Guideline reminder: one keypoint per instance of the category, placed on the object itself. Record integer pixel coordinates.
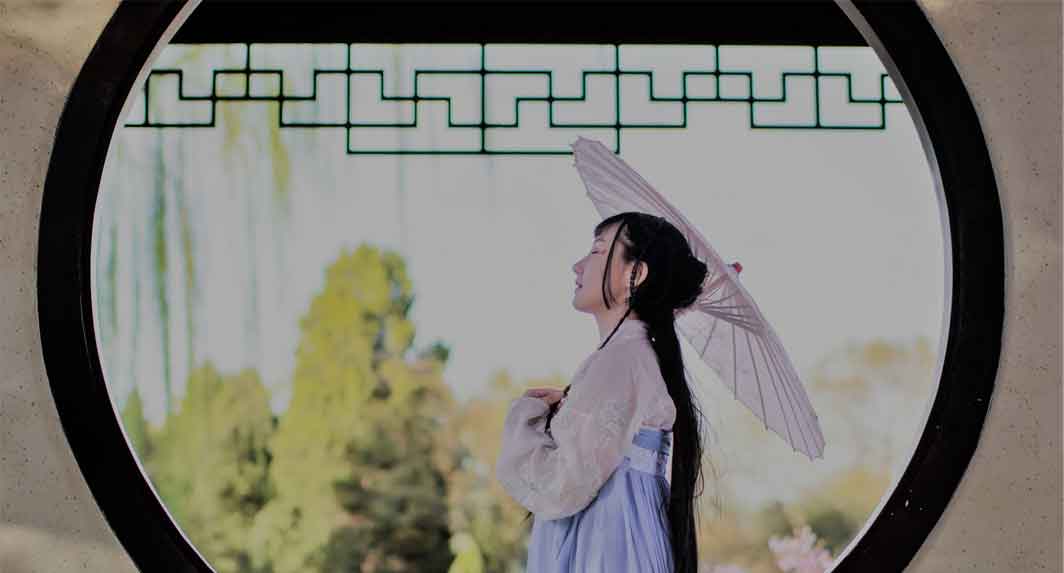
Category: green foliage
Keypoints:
(834, 527)
(136, 426)
(374, 467)
(772, 519)
(838, 507)
(357, 489)
(210, 463)
(438, 351)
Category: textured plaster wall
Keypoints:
(1006, 514)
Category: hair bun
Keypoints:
(688, 286)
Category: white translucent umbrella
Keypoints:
(724, 325)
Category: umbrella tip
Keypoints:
(578, 142)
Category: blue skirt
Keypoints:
(624, 529)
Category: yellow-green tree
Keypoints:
(210, 463)
(357, 489)
(136, 426)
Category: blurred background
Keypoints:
(49, 521)
(332, 318)
(332, 314)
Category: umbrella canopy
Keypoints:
(724, 325)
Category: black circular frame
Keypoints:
(922, 69)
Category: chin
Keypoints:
(578, 304)
(582, 306)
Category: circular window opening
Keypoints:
(324, 255)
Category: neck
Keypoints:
(607, 319)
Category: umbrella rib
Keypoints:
(796, 385)
(792, 394)
(797, 394)
(710, 336)
(720, 312)
(726, 297)
(735, 364)
(712, 305)
(744, 305)
(770, 361)
(714, 285)
(733, 318)
(801, 430)
(757, 378)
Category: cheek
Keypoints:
(596, 276)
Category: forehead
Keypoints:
(607, 233)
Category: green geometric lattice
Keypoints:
(620, 87)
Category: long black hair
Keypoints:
(673, 281)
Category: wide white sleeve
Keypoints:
(557, 476)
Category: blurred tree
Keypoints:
(210, 463)
(837, 508)
(878, 392)
(357, 486)
(478, 504)
(834, 527)
(467, 555)
(772, 519)
(736, 540)
(136, 426)
(438, 351)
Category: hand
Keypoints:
(548, 395)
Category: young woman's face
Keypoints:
(587, 293)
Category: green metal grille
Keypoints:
(708, 82)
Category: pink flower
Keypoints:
(798, 554)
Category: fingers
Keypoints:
(552, 397)
(540, 391)
(548, 394)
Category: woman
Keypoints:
(593, 465)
